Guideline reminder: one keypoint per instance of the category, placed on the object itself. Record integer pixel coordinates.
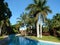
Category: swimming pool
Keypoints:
(19, 40)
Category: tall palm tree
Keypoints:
(39, 7)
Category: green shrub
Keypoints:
(16, 31)
(58, 31)
(45, 29)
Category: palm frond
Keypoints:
(44, 3)
(35, 1)
(47, 9)
(30, 6)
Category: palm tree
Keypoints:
(22, 20)
(25, 20)
(39, 7)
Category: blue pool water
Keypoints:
(19, 40)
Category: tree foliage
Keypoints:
(54, 24)
(5, 15)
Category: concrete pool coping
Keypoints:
(57, 43)
(6, 36)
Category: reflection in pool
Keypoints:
(19, 40)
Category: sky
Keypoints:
(17, 7)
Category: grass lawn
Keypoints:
(1, 37)
(46, 38)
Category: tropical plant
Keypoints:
(5, 14)
(22, 19)
(39, 7)
(56, 20)
(56, 23)
(26, 20)
(53, 24)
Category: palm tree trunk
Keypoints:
(40, 30)
(40, 20)
(37, 30)
(0, 31)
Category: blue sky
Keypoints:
(18, 6)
